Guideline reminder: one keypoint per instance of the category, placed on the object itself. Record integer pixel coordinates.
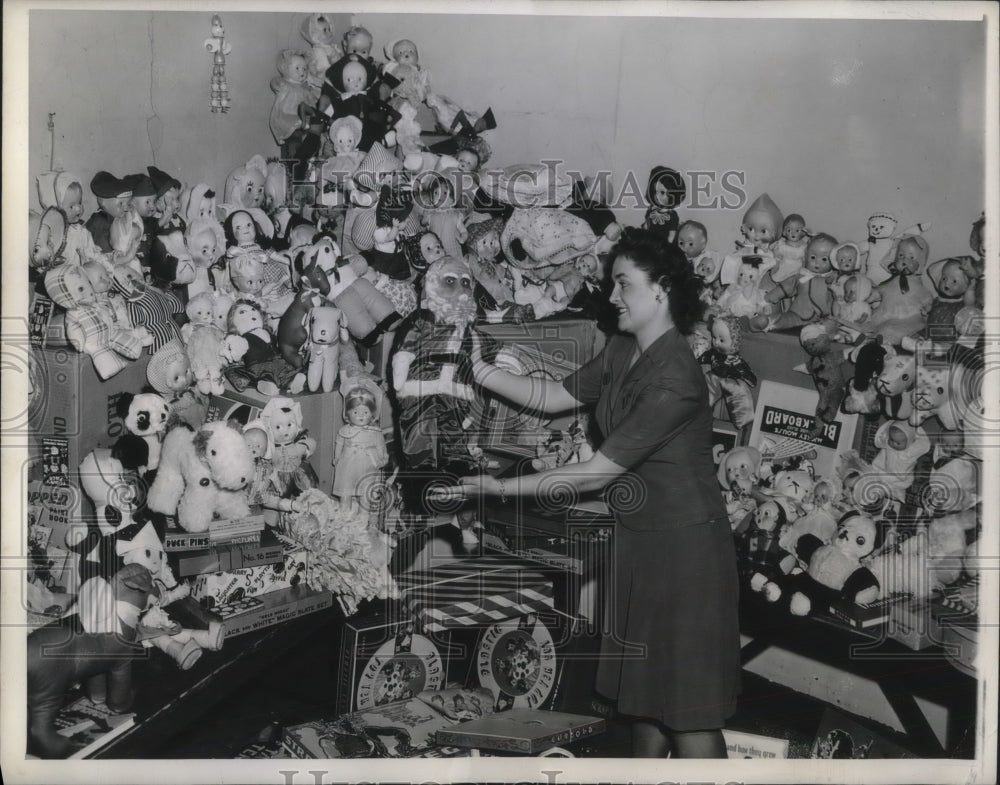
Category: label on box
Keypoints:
(38, 319)
(516, 659)
(402, 668)
(218, 588)
(55, 461)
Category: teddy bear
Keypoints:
(826, 367)
(739, 476)
(90, 328)
(88, 652)
(767, 561)
(834, 570)
(145, 415)
(202, 474)
(327, 331)
(790, 483)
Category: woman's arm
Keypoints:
(542, 395)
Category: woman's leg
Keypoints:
(698, 744)
(650, 739)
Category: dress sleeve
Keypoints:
(585, 382)
(659, 413)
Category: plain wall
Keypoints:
(834, 119)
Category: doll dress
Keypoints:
(359, 458)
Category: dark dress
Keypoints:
(674, 588)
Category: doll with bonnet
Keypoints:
(847, 261)
(851, 305)
(903, 300)
(63, 190)
(198, 201)
(420, 251)
(206, 243)
(403, 63)
(167, 201)
(291, 88)
(319, 31)
(954, 281)
(745, 296)
(341, 160)
(729, 376)
(291, 446)
(262, 490)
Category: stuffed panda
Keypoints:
(834, 570)
(145, 415)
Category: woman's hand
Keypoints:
(470, 487)
(481, 369)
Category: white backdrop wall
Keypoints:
(835, 119)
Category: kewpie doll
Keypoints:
(664, 191)
(291, 88)
(62, 190)
(808, 294)
(167, 202)
(262, 489)
(291, 446)
(206, 242)
(745, 296)
(359, 452)
(760, 229)
(261, 364)
(404, 64)
(789, 252)
(729, 375)
(900, 446)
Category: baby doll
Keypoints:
(169, 373)
(359, 452)
(708, 269)
(692, 239)
(262, 489)
(111, 301)
(291, 88)
(247, 275)
(745, 296)
(62, 190)
(261, 364)
(206, 242)
(167, 201)
(245, 233)
(198, 202)
(847, 261)
(664, 191)
(404, 64)
(291, 446)
(325, 50)
(729, 375)
(902, 300)
(358, 41)
(954, 280)
(808, 294)
(880, 248)
(789, 252)
(760, 229)
(90, 327)
(420, 251)
(900, 447)
(348, 91)
(851, 304)
(114, 197)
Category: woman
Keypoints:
(673, 660)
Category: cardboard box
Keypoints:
(522, 731)
(225, 557)
(475, 592)
(256, 613)
(214, 589)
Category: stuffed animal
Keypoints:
(202, 475)
(739, 477)
(170, 262)
(291, 446)
(145, 415)
(792, 486)
(327, 331)
(728, 374)
(245, 184)
(435, 401)
(826, 367)
(768, 562)
(834, 570)
(945, 390)
(86, 650)
(869, 361)
(90, 328)
(368, 312)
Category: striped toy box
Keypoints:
(475, 592)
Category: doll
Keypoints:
(900, 447)
(62, 190)
(403, 63)
(359, 452)
(880, 248)
(90, 328)
(808, 294)
(977, 243)
(327, 331)
(167, 201)
(291, 88)
(261, 363)
(148, 306)
(198, 202)
(826, 367)
(739, 477)
(114, 197)
(246, 230)
(466, 145)
(245, 184)
(348, 91)
(435, 401)
(729, 375)
(664, 191)
(708, 269)
(760, 229)
(169, 373)
(850, 305)
(492, 276)
(262, 489)
(745, 296)
(247, 276)
(442, 216)
(692, 239)
(206, 242)
(955, 281)
(144, 206)
(847, 261)
(318, 30)
(358, 41)
(393, 208)
(789, 252)
(902, 300)
(420, 251)
(339, 166)
(291, 446)
(768, 562)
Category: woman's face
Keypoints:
(634, 296)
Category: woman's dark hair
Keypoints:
(666, 264)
